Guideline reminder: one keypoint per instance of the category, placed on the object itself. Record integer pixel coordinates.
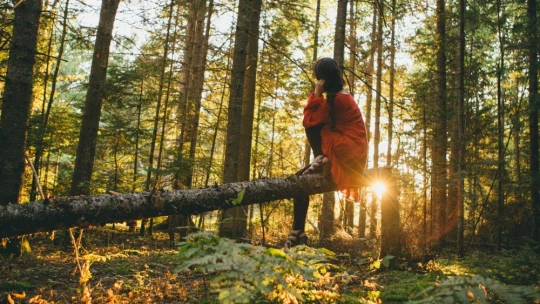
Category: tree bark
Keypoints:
(17, 99)
(339, 38)
(86, 149)
(369, 72)
(534, 102)
(440, 133)
(248, 105)
(378, 90)
(307, 147)
(392, 82)
(461, 131)
(390, 218)
(349, 204)
(81, 211)
(200, 69)
(500, 128)
(234, 221)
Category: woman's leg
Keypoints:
(300, 210)
(301, 203)
(314, 137)
(315, 141)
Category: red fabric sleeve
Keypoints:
(316, 111)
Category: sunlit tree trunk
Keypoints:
(17, 99)
(199, 82)
(339, 38)
(307, 148)
(218, 122)
(46, 106)
(349, 204)
(370, 69)
(378, 88)
(378, 96)
(248, 105)
(183, 111)
(148, 182)
(234, 221)
(86, 149)
(392, 83)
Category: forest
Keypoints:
(149, 152)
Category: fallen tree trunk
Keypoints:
(83, 211)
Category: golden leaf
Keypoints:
(10, 300)
(19, 295)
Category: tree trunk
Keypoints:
(461, 131)
(378, 90)
(390, 219)
(234, 221)
(82, 211)
(307, 147)
(369, 72)
(377, 131)
(148, 182)
(199, 82)
(533, 119)
(440, 136)
(17, 99)
(339, 38)
(248, 105)
(349, 204)
(86, 149)
(391, 88)
(327, 215)
(500, 128)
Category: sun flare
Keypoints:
(379, 189)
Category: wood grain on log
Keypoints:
(83, 211)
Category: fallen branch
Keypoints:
(83, 211)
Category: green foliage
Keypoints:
(518, 267)
(476, 289)
(239, 198)
(244, 272)
(17, 286)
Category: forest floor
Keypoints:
(125, 268)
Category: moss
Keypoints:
(16, 286)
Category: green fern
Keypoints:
(476, 289)
(243, 272)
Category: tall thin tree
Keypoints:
(326, 225)
(234, 220)
(534, 104)
(248, 105)
(86, 148)
(17, 99)
(500, 124)
(440, 133)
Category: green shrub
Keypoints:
(244, 273)
(476, 289)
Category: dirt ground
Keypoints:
(118, 267)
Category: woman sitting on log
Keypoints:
(336, 132)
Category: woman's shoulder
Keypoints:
(344, 95)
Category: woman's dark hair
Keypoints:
(328, 69)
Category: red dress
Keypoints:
(347, 146)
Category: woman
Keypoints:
(336, 132)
